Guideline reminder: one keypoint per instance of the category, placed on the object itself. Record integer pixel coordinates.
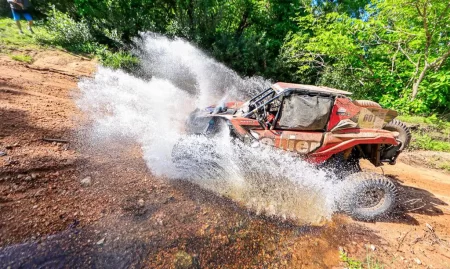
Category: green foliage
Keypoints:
(425, 142)
(245, 34)
(353, 8)
(351, 263)
(414, 119)
(63, 30)
(126, 18)
(395, 54)
(433, 133)
(438, 123)
(75, 36)
(391, 51)
(121, 59)
(22, 58)
(433, 122)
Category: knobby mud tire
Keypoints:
(404, 132)
(363, 185)
(366, 104)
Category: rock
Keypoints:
(372, 247)
(20, 176)
(86, 182)
(12, 146)
(11, 162)
(5, 199)
(183, 260)
(140, 203)
(2, 153)
(28, 178)
(34, 175)
(39, 193)
(169, 199)
(419, 262)
(101, 241)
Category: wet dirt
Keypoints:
(122, 216)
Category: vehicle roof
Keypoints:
(281, 86)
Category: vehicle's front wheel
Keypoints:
(369, 196)
(196, 155)
(404, 132)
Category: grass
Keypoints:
(444, 166)
(425, 142)
(352, 263)
(433, 133)
(439, 162)
(432, 121)
(11, 42)
(22, 58)
(412, 119)
(10, 39)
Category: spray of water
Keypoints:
(191, 70)
(153, 111)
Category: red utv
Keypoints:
(325, 127)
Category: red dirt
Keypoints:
(41, 194)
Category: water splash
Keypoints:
(153, 111)
(191, 70)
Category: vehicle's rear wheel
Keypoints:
(369, 196)
(366, 103)
(404, 132)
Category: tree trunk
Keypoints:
(419, 80)
(243, 24)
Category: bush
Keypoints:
(425, 142)
(65, 31)
(121, 59)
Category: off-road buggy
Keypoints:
(325, 127)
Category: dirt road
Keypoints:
(64, 203)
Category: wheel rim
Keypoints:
(371, 198)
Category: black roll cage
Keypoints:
(257, 105)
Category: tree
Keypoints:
(419, 30)
(389, 55)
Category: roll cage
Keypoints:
(262, 103)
